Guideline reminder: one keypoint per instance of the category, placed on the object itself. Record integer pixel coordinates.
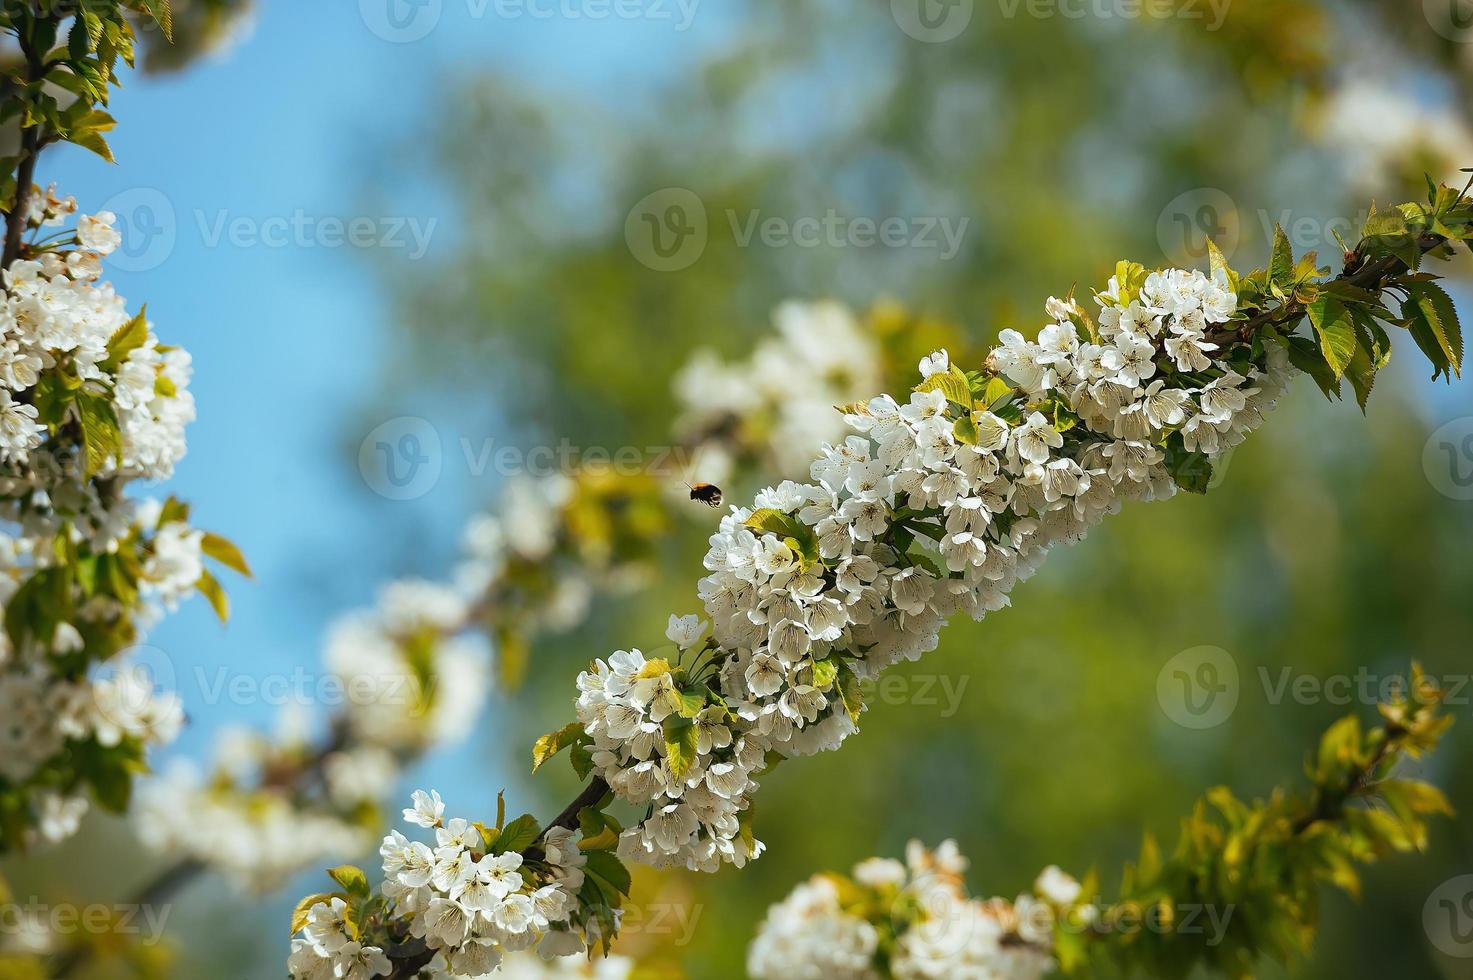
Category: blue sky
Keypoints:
(235, 183)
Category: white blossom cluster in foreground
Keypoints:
(89, 401)
(890, 920)
(931, 507)
(780, 400)
(471, 897)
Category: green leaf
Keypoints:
(825, 673)
(995, 392)
(773, 521)
(304, 908)
(1281, 264)
(1336, 331)
(41, 603)
(849, 691)
(352, 878)
(518, 835)
(552, 743)
(1305, 355)
(224, 551)
(210, 588)
(965, 430)
(1437, 318)
(101, 437)
(163, 15)
(1190, 471)
(680, 746)
(125, 340)
(952, 383)
(610, 869)
(600, 831)
(690, 701)
(581, 756)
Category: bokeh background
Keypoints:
(502, 150)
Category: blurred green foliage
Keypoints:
(1065, 142)
(1325, 550)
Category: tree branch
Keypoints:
(32, 142)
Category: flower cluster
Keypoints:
(936, 506)
(89, 401)
(476, 895)
(780, 400)
(910, 921)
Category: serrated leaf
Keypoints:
(1336, 331)
(1432, 305)
(102, 439)
(772, 521)
(352, 878)
(610, 869)
(552, 743)
(1362, 375)
(952, 383)
(125, 340)
(305, 906)
(163, 15)
(518, 835)
(1281, 263)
